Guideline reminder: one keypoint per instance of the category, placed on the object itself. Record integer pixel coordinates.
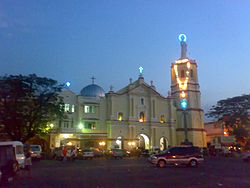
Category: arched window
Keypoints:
(162, 120)
(142, 101)
(120, 116)
(141, 117)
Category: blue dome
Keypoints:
(92, 90)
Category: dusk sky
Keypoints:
(75, 40)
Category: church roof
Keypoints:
(93, 90)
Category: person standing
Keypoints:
(64, 150)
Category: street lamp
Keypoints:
(102, 143)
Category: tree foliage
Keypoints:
(235, 114)
(28, 104)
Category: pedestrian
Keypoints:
(28, 161)
(74, 153)
(64, 150)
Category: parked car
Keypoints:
(87, 154)
(190, 156)
(246, 157)
(36, 151)
(98, 152)
(147, 152)
(18, 151)
(8, 163)
(117, 153)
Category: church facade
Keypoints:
(136, 116)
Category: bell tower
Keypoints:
(186, 91)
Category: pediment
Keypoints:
(140, 90)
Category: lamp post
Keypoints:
(185, 125)
(184, 105)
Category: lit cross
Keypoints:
(67, 84)
(141, 70)
(93, 79)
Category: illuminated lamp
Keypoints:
(69, 144)
(118, 142)
(183, 94)
(80, 126)
(120, 118)
(102, 143)
(65, 135)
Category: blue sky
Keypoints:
(75, 40)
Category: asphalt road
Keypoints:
(134, 173)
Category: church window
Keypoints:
(73, 108)
(90, 125)
(141, 117)
(66, 107)
(182, 74)
(66, 124)
(89, 109)
(162, 120)
(142, 101)
(120, 116)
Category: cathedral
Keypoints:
(136, 116)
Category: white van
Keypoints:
(36, 151)
(18, 147)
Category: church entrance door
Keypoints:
(143, 141)
(163, 143)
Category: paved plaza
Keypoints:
(134, 173)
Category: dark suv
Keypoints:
(8, 163)
(190, 156)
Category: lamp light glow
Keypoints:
(118, 142)
(80, 126)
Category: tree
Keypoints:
(28, 104)
(234, 113)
